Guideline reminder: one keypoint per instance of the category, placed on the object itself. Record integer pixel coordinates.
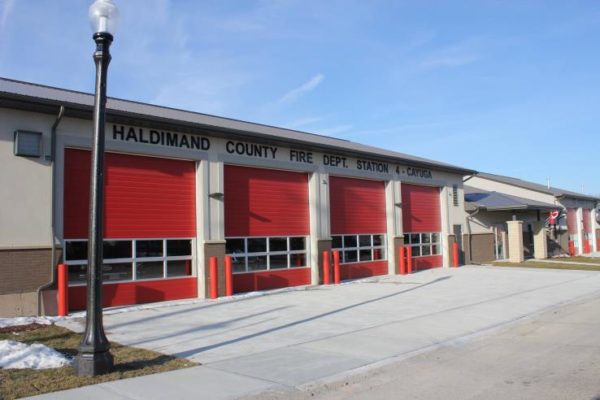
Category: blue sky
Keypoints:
(508, 87)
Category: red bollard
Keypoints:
(571, 248)
(326, 267)
(402, 255)
(63, 290)
(455, 255)
(336, 267)
(586, 247)
(214, 279)
(228, 276)
(409, 260)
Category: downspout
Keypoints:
(50, 283)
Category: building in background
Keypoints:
(568, 219)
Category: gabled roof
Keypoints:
(495, 201)
(34, 97)
(556, 192)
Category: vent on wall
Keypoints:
(455, 195)
(28, 144)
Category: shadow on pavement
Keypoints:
(305, 320)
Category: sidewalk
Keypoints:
(297, 338)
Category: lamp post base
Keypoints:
(91, 364)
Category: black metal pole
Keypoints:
(94, 355)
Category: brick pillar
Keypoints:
(540, 241)
(515, 241)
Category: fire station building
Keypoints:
(181, 187)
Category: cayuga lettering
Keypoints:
(419, 172)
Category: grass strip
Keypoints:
(129, 362)
(543, 265)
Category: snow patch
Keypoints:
(5, 322)
(37, 356)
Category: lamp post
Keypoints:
(94, 355)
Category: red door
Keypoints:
(267, 227)
(358, 225)
(572, 228)
(587, 231)
(149, 225)
(422, 224)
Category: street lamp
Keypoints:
(94, 355)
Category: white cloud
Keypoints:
(303, 89)
(300, 122)
(462, 53)
(6, 7)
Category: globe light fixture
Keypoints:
(94, 357)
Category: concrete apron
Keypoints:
(297, 338)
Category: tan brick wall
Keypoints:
(515, 241)
(217, 249)
(23, 271)
(398, 242)
(479, 248)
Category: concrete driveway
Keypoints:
(298, 337)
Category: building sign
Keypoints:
(162, 138)
(415, 172)
(263, 151)
(250, 149)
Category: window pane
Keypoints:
(235, 246)
(149, 270)
(414, 238)
(426, 251)
(378, 254)
(297, 243)
(278, 244)
(407, 239)
(416, 251)
(350, 241)
(179, 268)
(378, 240)
(117, 249)
(117, 272)
(77, 273)
(279, 261)
(257, 263)
(76, 251)
(238, 263)
(365, 255)
(365, 240)
(435, 237)
(148, 248)
(435, 249)
(257, 245)
(350, 256)
(425, 238)
(298, 260)
(179, 247)
(336, 242)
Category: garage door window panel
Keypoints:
(359, 248)
(423, 244)
(132, 259)
(253, 254)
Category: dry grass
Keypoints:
(129, 362)
(547, 265)
(593, 260)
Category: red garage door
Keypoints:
(267, 227)
(358, 225)
(572, 228)
(587, 230)
(422, 224)
(149, 226)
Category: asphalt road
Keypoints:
(555, 355)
